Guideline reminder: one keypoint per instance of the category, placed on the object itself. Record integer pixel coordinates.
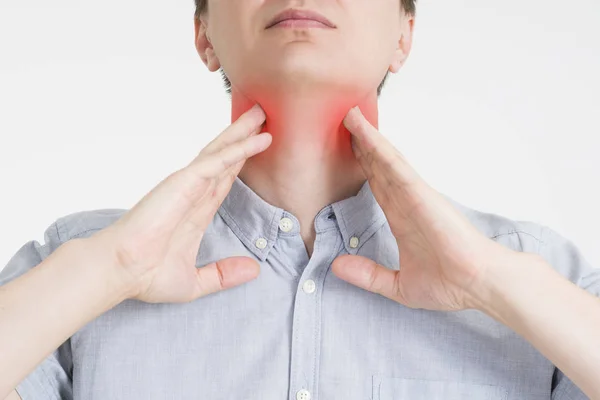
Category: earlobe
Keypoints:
(212, 62)
(395, 66)
(398, 60)
(404, 46)
(204, 46)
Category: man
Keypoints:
(458, 303)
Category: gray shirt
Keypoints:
(298, 331)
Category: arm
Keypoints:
(44, 307)
(449, 264)
(556, 316)
(13, 396)
(134, 257)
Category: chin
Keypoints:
(297, 75)
(304, 74)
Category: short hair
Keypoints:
(409, 7)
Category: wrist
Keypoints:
(94, 260)
(508, 273)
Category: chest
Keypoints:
(299, 332)
(271, 339)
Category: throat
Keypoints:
(309, 241)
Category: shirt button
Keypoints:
(303, 395)
(286, 224)
(261, 243)
(309, 286)
(354, 242)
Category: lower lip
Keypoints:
(300, 23)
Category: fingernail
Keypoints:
(256, 107)
(354, 112)
(349, 113)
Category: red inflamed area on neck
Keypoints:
(333, 113)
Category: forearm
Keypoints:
(44, 307)
(557, 317)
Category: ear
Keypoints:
(404, 43)
(204, 46)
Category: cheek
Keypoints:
(229, 26)
(373, 29)
(383, 43)
(229, 44)
(370, 45)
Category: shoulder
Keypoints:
(85, 223)
(76, 225)
(521, 235)
(534, 237)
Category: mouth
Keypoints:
(294, 18)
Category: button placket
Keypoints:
(306, 334)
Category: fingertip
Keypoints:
(356, 112)
(335, 265)
(256, 106)
(341, 265)
(266, 140)
(247, 269)
(350, 113)
(352, 119)
(258, 110)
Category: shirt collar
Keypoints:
(257, 223)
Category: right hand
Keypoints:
(154, 245)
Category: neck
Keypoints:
(310, 162)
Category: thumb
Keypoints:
(360, 128)
(226, 273)
(367, 274)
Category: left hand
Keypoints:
(443, 257)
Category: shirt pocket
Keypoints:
(392, 388)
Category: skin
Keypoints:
(294, 75)
(448, 265)
(149, 254)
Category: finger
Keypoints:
(170, 201)
(360, 128)
(368, 139)
(225, 274)
(367, 274)
(226, 181)
(215, 164)
(248, 124)
(378, 152)
(362, 160)
(190, 230)
(188, 234)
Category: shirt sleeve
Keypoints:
(568, 259)
(52, 378)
